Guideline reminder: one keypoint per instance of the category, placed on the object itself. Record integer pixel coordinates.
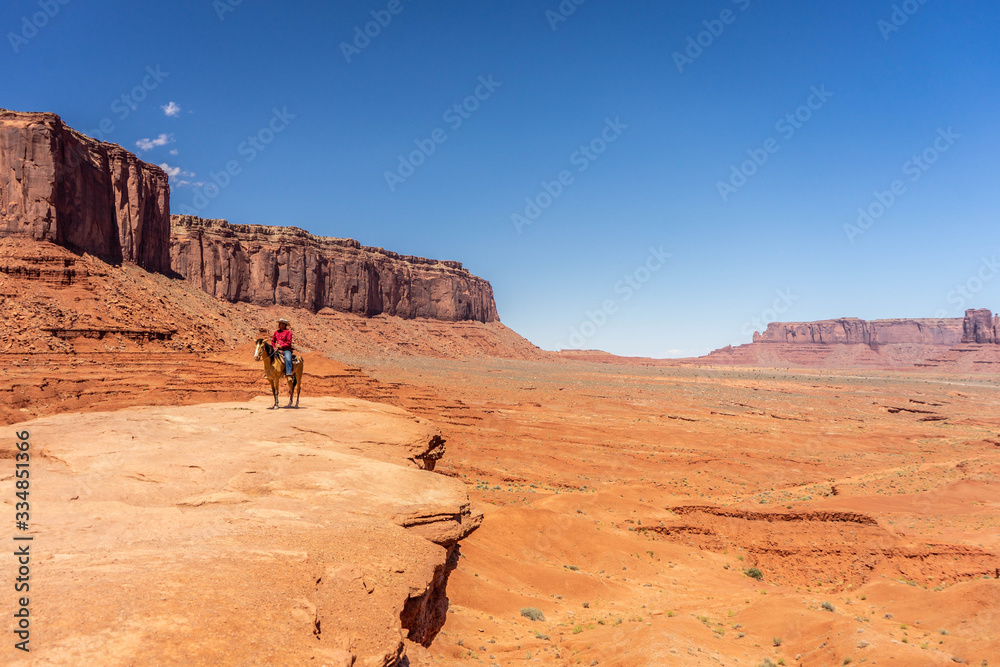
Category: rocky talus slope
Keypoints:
(83, 334)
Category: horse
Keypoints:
(274, 369)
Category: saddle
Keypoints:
(278, 355)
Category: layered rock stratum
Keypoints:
(981, 326)
(229, 534)
(61, 186)
(287, 266)
(965, 344)
(851, 331)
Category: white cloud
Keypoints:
(174, 152)
(174, 172)
(171, 109)
(149, 144)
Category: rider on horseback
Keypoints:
(282, 342)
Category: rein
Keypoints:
(272, 353)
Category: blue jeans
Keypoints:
(288, 362)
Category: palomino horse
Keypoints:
(274, 369)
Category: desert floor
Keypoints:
(630, 504)
(627, 505)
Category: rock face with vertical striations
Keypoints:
(287, 266)
(981, 326)
(61, 186)
(942, 343)
(851, 330)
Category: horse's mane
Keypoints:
(267, 348)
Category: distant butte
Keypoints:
(958, 344)
(851, 330)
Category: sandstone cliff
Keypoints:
(61, 186)
(289, 267)
(945, 343)
(981, 326)
(851, 330)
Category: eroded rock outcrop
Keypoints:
(932, 343)
(61, 186)
(851, 330)
(233, 534)
(287, 266)
(981, 326)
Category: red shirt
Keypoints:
(282, 339)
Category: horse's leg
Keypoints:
(298, 386)
(277, 388)
(272, 378)
(267, 376)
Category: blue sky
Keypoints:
(612, 119)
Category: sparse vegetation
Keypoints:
(533, 614)
(754, 573)
(827, 606)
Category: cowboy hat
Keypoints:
(283, 320)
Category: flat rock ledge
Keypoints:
(230, 534)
